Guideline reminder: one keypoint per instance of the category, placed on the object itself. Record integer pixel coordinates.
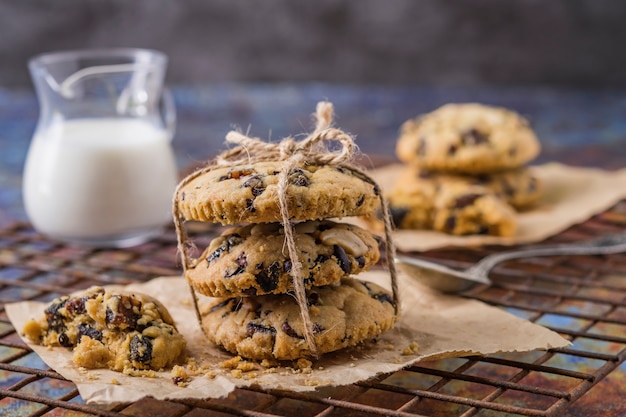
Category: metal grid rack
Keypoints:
(581, 297)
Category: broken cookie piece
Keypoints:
(110, 329)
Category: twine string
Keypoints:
(311, 150)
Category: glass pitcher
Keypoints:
(100, 169)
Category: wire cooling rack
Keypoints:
(581, 297)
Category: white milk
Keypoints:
(99, 179)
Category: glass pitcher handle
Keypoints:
(168, 111)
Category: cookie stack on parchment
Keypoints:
(466, 171)
(248, 268)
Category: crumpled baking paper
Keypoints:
(431, 325)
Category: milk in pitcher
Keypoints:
(100, 179)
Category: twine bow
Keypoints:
(311, 150)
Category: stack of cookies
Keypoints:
(466, 171)
(248, 267)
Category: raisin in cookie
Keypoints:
(253, 259)
(467, 138)
(249, 194)
(116, 330)
(270, 327)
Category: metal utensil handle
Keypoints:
(604, 245)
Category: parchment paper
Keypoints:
(571, 195)
(435, 325)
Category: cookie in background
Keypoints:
(466, 171)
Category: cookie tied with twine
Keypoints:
(283, 195)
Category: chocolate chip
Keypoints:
(342, 258)
(383, 297)
(321, 258)
(227, 244)
(252, 328)
(289, 331)
(360, 201)
(220, 305)
(452, 149)
(287, 265)
(483, 230)
(299, 178)
(317, 328)
(256, 185)
(532, 185)
(242, 264)
(125, 314)
(250, 205)
(64, 340)
(450, 224)
(313, 298)
(474, 137)
(268, 279)
(76, 305)
(53, 316)
(141, 349)
(234, 240)
(398, 214)
(229, 273)
(86, 330)
(324, 226)
(466, 200)
(179, 380)
(360, 260)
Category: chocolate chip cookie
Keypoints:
(249, 194)
(472, 210)
(517, 187)
(116, 330)
(454, 204)
(270, 327)
(253, 259)
(467, 138)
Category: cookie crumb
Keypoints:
(139, 372)
(115, 381)
(237, 373)
(266, 363)
(231, 363)
(180, 376)
(390, 346)
(411, 349)
(311, 382)
(304, 364)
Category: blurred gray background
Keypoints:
(421, 42)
